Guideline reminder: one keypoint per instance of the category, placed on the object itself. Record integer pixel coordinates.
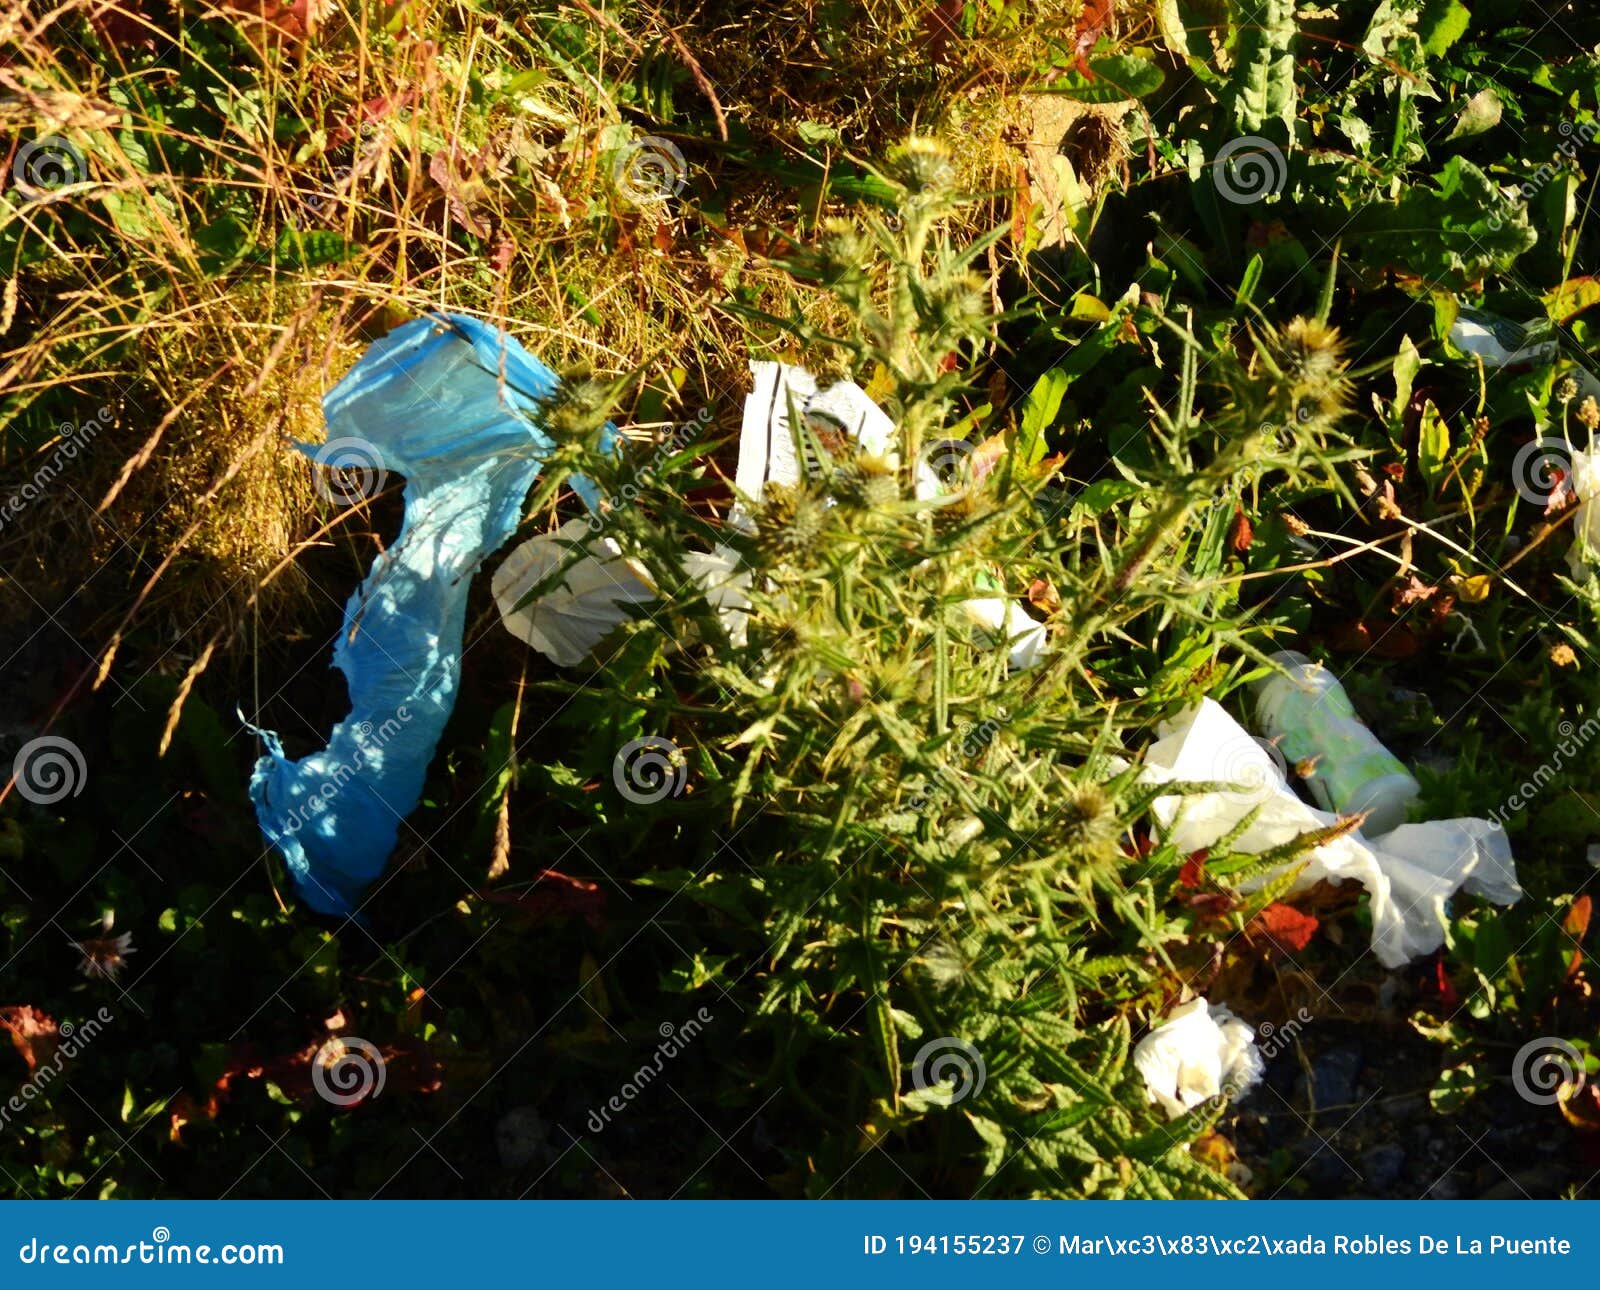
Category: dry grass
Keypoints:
(435, 156)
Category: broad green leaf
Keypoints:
(1039, 414)
(1103, 494)
(1262, 88)
(1433, 446)
(1117, 77)
(1443, 22)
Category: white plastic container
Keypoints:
(1306, 712)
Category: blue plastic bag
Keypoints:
(449, 403)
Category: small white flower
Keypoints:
(104, 957)
(1199, 1051)
(568, 620)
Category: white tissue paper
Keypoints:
(569, 620)
(1586, 521)
(1199, 1051)
(1410, 872)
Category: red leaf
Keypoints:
(33, 1033)
(1285, 926)
(1447, 988)
(1576, 925)
(1194, 869)
(1093, 19)
(1243, 532)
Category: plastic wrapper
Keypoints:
(1410, 872)
(449, 403)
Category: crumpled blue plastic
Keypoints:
(449, 403)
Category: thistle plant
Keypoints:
(904, 846)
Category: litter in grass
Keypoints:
(1410, 871)
(1501, 342)
(771, 453)
(1304, 710)
(568, 620)
(1200, 1051)
(1585, 483)
(449, 403)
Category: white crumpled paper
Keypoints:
(768, 454)
(767, 448)
(1199, 1051)
(593, 599)
(1410, 872)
